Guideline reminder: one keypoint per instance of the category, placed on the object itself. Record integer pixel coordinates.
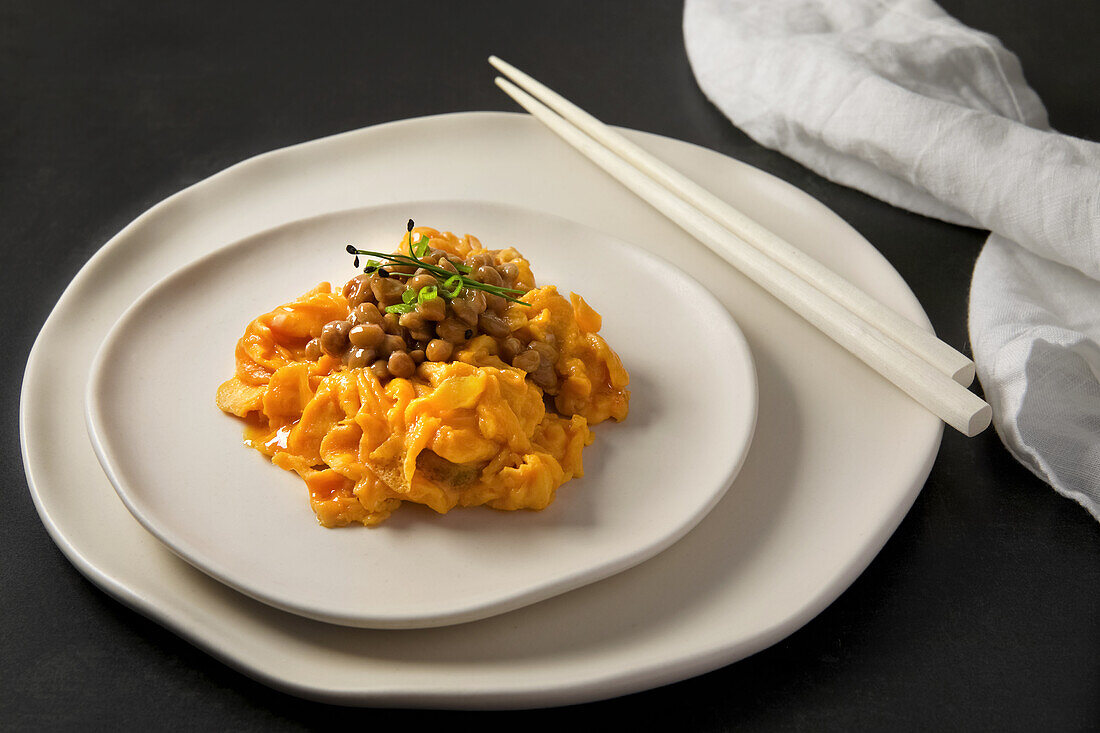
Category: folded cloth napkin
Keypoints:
(900, 100)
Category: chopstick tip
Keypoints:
(964, 375)
(979, 421)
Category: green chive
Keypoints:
(408, 296)
(400, 308)
(427, 293)
(454, 281)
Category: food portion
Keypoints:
(441, 375)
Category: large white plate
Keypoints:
(178, 463)
(838, 455)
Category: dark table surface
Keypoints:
(980, 613)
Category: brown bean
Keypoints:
(453, 330)
(359, 358)
(423, 335)
(392, 344)
(493, 325)
(469, 306)
(528, 361)
(406, 269)
(366, 313)
(478, 260)
(463, 312)
(334, 337)
(411, 320)
(548, 353)
(489, 275)
(391, 323)
(495, 303)
(417, 355)
(380, 370)
(510, 348)
(447, 265)
(313, 349)
(432, 310)
(544, 377)
(350, 284)
(401, 364)
(508, 272)
(387, 290)
(422, 281)
(367, 335)
(358, 290)
(439, 350)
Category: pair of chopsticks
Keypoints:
(927, 369)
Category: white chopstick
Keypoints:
(925, 383)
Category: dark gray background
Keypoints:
(980, 613)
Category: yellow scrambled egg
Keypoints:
(466, 432)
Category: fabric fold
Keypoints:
(901, 101)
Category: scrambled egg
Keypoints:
(470, 431)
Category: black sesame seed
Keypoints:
(351, 249)
(356, 262)
(410, 227)
(469, 333)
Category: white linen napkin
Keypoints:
(900, 100)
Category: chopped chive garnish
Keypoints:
(421, 246)
(454, 281)
(400, 308)
(408, 297)
(427, 293)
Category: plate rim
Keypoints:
(476, 608)
(592, 687)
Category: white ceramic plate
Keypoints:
(178, 463)
(838, 455)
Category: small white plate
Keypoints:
(179, 465)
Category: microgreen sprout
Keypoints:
(453, 284)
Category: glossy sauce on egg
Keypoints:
(498, 415)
